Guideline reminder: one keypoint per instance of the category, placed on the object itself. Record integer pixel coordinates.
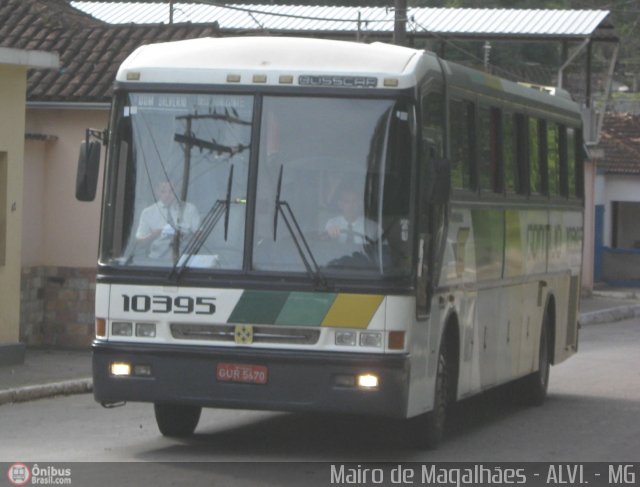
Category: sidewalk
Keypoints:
(46, 373)
(51, 372)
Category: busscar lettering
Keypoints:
(142, 303)
(338, 81)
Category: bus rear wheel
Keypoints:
(177, 420)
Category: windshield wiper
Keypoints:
(207, 225)
(310, 264)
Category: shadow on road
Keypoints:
(322, 437)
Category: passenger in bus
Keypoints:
(350, 226)
(164, 220)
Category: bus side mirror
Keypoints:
(88, 169)
(441, 189)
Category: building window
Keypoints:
(625, 230)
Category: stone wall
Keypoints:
(57, 306)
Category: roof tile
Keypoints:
(90, 50)
(620, 143)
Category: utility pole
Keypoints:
(400, 24)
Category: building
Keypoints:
(13, 81)
(617, 201)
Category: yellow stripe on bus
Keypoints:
(352, 310)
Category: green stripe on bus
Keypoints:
(305, 309)
(259, 307)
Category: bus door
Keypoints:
(431, 209)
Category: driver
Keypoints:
(160, 222)
(350, 226)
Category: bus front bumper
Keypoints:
(283, 380)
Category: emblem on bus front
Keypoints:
(244, 334)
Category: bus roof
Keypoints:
(509, 92)
(243, 60)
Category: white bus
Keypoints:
(316, 225)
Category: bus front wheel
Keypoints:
(428, 429)
(536, 385)
(177, 420)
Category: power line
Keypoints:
(294, 16)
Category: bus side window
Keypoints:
(562, 159)
(490, 163)
(432, 125)
(430, 219)
(535, 169)
(510, 156)
(462, 142)
(580, 155)
(553, 159)
(522, 154)
(574, 169)
(543, 148)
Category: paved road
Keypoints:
(591, 415)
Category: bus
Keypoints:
(297, 224)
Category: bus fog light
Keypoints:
(147, 330)
(121, 329)
(346, 338)
(120, 369)
(344, 380)
(142, 370)
(369, 339)
(368, 381)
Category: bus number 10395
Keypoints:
(142, 303)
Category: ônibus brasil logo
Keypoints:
(19, 474)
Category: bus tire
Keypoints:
(429, 431)
(535, 385)
(177, 420)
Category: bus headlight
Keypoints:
(147, 330)
(346, 338)
(371, 339)
(122, 329)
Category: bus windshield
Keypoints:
(337, 171)
(331, 192)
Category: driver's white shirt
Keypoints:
(357, 227)
(183, 217)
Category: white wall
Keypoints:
(615, 188)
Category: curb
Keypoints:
(611, 314)
(29, 393)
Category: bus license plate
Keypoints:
(243, 373)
